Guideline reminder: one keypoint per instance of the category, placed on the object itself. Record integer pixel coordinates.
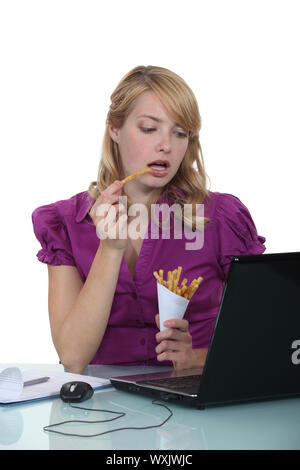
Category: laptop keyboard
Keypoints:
(188, 384)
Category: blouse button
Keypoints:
(143, 341)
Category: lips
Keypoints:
(161, 163)
(159, 167)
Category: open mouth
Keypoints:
(159, 165)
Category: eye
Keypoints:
(181, 134)
(147, 130)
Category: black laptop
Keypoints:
(254, 352)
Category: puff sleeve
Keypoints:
(51, 232)
(236, 230)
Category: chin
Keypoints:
(159, 184)
(162, 181)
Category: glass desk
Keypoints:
(262, 425)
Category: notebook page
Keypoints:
(52, 387)
(11, 382)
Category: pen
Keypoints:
(36, 381)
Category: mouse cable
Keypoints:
(46, 428)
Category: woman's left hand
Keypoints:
(175, 344)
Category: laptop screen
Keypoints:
(253, 351)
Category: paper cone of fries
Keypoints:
(170, 305)
(173, 298)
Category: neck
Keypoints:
(147, 196)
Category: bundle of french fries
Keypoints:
(184, 290)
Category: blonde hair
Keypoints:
(188, 186)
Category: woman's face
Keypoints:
(147, 136)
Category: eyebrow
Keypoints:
(150, 117)
(155, 119)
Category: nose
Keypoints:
(164, 144)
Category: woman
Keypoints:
(102, 293)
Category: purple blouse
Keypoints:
(68, 237)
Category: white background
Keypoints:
(61, 60)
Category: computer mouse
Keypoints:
(76, 391)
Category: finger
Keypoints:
(116, 186)
(122, 227)
(157, 321)
(107, 209)
(119, 208)
(109, 199)
(182, 341)
(107, 226)
(122, 218)
(116, 216)
(169, 345)
(172, 326)
(174, 334)
(174, 356)
(178, 323)
(179, 359)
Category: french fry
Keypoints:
(183, 283)
(134, 175)
(193, 290)
(179, 273)
(169, 280)
(175, 281)
(194, 286)
(184, 290)
(190, 288)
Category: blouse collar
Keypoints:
(85, 203)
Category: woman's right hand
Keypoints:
(110, 217)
